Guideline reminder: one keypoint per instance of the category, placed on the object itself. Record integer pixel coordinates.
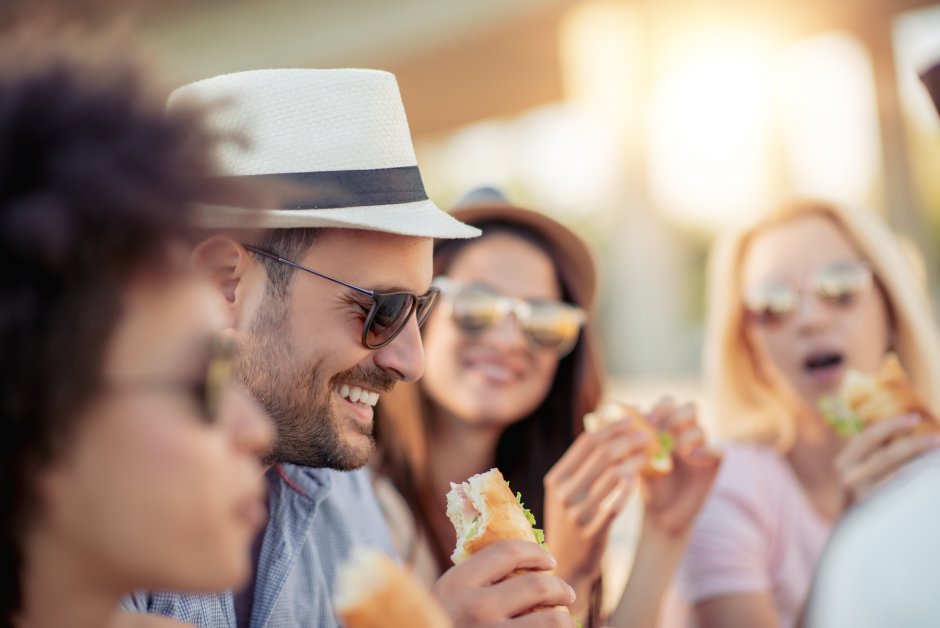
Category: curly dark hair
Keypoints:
(96, 183)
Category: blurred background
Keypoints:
(646, 125)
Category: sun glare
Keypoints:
(709, 131)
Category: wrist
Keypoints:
(663, 539)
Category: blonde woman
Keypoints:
(795, 300)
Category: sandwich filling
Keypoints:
(468, 511)
(662, 459)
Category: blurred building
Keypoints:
(647, 125)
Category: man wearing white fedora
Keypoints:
(327, 296)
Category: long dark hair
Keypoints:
(528, 448)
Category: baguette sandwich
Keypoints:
(661, 444)
(863, 399)
(374, 592)
(484, 511)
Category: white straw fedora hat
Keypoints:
(340, 137)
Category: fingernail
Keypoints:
(933, 440)
(553, 561)
(912, 419)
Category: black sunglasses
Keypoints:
(389, 313)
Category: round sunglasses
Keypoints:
(549, 324)
(838, 285)
(389, 313)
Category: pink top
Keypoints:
(757, 532)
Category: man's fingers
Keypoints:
(526, 591)
(496, 561)
(548, 618)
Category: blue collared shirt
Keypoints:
(316, 517)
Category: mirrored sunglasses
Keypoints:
(549, 324)
(838, 285)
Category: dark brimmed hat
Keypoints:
(488, 204)
(931, 78)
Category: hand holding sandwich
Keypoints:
(672, 502)
(592, 482)
(479, 591)
(508, 583)
(887, 422)
(584, 491)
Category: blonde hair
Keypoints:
(746, 406)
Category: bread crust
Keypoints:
(612, 412)
(889, 393)
(506, 521)
(399, 600)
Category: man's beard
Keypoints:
(298, 398)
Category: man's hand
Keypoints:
(478, 592)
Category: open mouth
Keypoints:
(823, 361)
(356, 394)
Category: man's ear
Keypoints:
(225, 261)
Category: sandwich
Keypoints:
(863, 399)
(661, 443)
(484, 511)
(374, 592)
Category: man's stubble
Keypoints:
(298, 397)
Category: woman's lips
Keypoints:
(827, 376)
(497, 372)
(824, 368)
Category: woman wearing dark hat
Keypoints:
(511, 392)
